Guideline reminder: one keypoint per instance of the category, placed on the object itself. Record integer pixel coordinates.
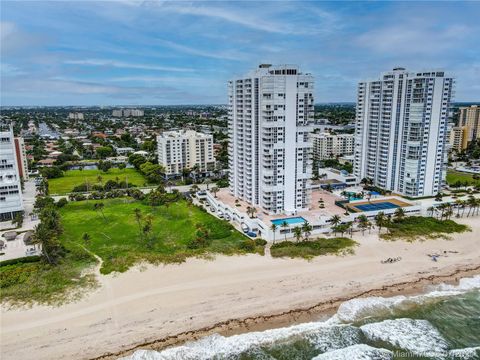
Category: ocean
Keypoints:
(443, 323)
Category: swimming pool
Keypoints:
(384, 205)
(289, 221)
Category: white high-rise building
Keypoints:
(328, 146)
(270, 117)
(10, 187)
(401, 133)
(185, 149)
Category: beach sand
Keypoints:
(152, 307)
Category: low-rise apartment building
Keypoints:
(328, 146)
(185, 149)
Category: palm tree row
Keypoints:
(446, 210)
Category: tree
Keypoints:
(380, 220)
(335, 220)
(99, 207)
(86, 239)
(105, 165)
(285, 226)
(215, 190)
(193, 189)
(104, 152)
(399, 214)
(138, 218)
(438, 197)
(431, 210)
(51, 172)
(274, 228)
(18, 220)
(363, 223)
(122, 166)
(306, 228)
(99, 179)
(297, 232)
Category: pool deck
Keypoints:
(311, 215)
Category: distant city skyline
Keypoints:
(173, 53)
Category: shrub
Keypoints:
(61, 202)
(260, 242)
(248, 245)
(22, 260)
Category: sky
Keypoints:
(183, 52)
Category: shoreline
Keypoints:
(153, 307)
(295, 316)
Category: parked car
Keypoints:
(251, 234)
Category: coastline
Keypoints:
(152, 307)
(294, 316)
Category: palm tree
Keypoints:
(399, 214)
(363, 223)
(86, 238)
(285, 226)
(458, 204)
(431, 210)
(274, 227)
(297, 232)
(380, 220)
(306, 228)
(472, 203)
(194, 188)
(349, 228)
(138, 218)
(214, 190)
(335, 220)
(99, 207)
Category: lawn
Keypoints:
(118, 240)
(310, 249)
(72, 178)
(454, 176)
(419, 227)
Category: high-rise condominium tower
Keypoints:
(10, 186)
(271, 110)
(402, 131)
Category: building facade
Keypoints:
(401, 132)
(270, 117)
(458, 138)
(328, 146)
(128, 113)
(21, 154)
(10, 186)
(469, 117)
(185, 149)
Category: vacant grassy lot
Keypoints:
(418, 228)
(43, 283)
(310, 249)
(118, 240)
(454, 176)
(73, 178)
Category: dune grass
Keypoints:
(72, 178)
(24, 283)
(414, 228)
(310, 249)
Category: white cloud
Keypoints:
(224, 55)
(125, 65)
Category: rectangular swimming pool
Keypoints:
(289, 221)
(384, 205)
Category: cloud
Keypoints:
(125, 65)
(14, 41)
(413, 37)
(223, 55)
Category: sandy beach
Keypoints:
(152, 307)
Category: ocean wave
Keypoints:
(416, 336)
(357, 352)
(358, 309)
(321, 336)
(471, 353)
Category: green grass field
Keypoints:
(310, 249)
(118, 241)
(454, 176)
(72, 178)
(414, 228)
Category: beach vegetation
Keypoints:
(312, 248)
(413, 228)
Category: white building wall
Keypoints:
(401, 131)
(10, 187)
(270, 113)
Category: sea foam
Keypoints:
(417, 336)
(358, 309)
(357, 352)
